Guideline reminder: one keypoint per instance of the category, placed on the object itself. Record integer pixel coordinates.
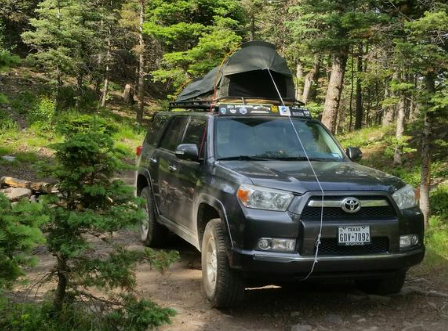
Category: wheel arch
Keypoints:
(211, 208)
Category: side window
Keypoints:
(154, 128)
(173, 133)
(195, 131)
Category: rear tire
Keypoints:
(385, 286)
(223, 286)
(152, 233)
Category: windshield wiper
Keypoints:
(243, 158)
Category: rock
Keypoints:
(15, 194)
(361, 320)
(15, 182)
(295, 313)
(356, 316)
(334, 319)
(373, 328)
(356, 297)
(9, 158)
(380, 299)
(433, 305)
(301, 327)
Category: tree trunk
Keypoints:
(252, 26)
(105, 91)
(61, 289)
(400, 129)
(359, 109)
(388, 111)
(425, 178)
(310, 78)
(141, 65)
(334, 91)
(352, 85)
(299, 78)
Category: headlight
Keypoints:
(405, 197)
(264, 198)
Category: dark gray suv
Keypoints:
(268, 196)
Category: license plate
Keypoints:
(354, 235)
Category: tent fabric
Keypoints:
(244, 74)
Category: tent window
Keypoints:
(257, 83)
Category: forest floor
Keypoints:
(421, 305)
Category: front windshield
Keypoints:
(273, 138)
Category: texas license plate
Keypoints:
(354, 235)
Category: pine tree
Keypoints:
(64, 39)
(196, 36)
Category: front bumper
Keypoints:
(269, 265)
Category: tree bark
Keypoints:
(310, 79)
(359, 109)
(299, 78)
(425, 178)
(352, 85)
(388, 111)
(334, 91)
(61, 289)
(141, 65)
(252, 26)
(105, 91)
(400, 129)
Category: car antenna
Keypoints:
(315, 261)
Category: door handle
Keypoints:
(153, 160)
(172, 168)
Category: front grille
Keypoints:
(336, 213)
(329, 246)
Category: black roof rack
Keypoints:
(192, 104)
(213, 105)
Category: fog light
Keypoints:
(264, 244)
(408, 240)
(277, 244)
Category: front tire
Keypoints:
(223, 286)
(385, 286)
(152, 233)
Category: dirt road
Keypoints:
(305, 307)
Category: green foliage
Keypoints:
(6, 123)
(93, 204)
(439, 202)
(135, 315)
(161, 260)
(73, 122)
(196, 38)
(43, 114)
(19, 234)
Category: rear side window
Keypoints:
(173, 134)
(154, 129)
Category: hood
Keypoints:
(297, 176)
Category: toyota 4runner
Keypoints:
(267, 194)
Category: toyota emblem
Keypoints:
(351, 205)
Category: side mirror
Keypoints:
(354, 153)
(187, 152)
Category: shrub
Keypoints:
(91, 204)
(73, 122)
(19, 234)
(43, 114)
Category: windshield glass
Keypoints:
(273, 138)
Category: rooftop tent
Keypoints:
(245, 74)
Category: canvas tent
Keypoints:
(245, 74)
